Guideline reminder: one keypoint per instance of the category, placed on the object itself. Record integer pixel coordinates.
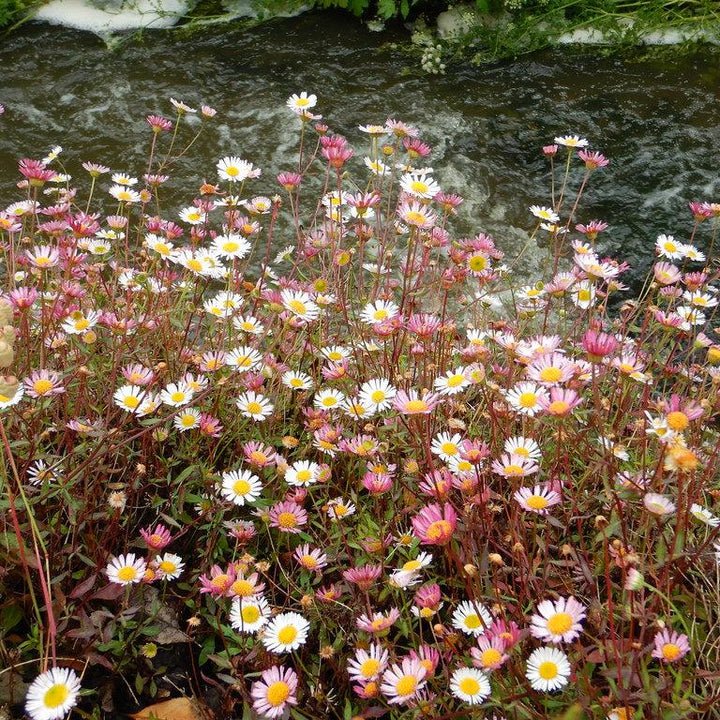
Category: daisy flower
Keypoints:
(302, 102)
(412, 404)
(329, 399)
(285, 632)
(169, 566)
(287, 516)
(470, 685)
(523, 446)
(378, 622)
(419, 185)
(704, 515)
(544, 213)
(274, 692)
(561, 402)
(378, 393)
(378, 312)
(240, 486)
(416, 214)
(243, 358)
(188, 419)
(403, 682)
(177, 394)
(234, 169)
(514, 466)
(231, 246)
(44, 383)
(249, 614)
(548, 669)
(525, 397)
(193, 215)
(583, 294)
(670, 646)
(658, 504)
(571, 141)
(538, 499)
(302, 473)
(472, 618)
(310, 559)
(300, 304)
(338, 508)
(666, 246)
(254, 406)
(435, 524)
(559, 621)
(490, 652)
(453, 382)
(52, 694)
(129, 398)
(551, 369)
(368, 664)
(39, 472)
(446, 446)
(125, 194)
(126, 569)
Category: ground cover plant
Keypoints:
(296, 449)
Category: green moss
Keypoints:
(13, 12)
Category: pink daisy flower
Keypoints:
(287, 516)
(274, 691)
(670, 646)
(538, 499)
(435, 524)
(559, 621)
(401, 683)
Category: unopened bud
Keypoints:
(496, 559)
(601, 522)
(470, 569)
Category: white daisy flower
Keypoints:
(249, 614)
(52, 694)
(548, 669)
(285, 632)
(240, 486)
(470, 685)
(472, 618)
(126, 569)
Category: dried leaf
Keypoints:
(176, 709)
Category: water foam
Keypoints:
(140, 14)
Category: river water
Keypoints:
(656, 119)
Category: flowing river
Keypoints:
(656, 119)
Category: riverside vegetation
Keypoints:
(351, 464)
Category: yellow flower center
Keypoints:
(406, 685)
(548, 670)
(254, 408)
(56, 696)
(297, 306)
(671, 651)
(438, 530)
(454, 380)
(308, 561)
(559, 407)
(473, 621)
(287, 520)
(82, 324)
(415, 217)
(469, 685)
(187, 420)
(329, 401)
(378, 396)
(416, 406)
(243, 588)
(449, 448)
(194, 265)
(230, 246)
(536, 502)
(419, 187)
(527, 399)
(370, 667)
(478, 263)
(550, 374)
(250, 614)
(380, 315)
(221, 582)
(584, 295)
(412, 565)
(127, 574)
(296, 382)
(232, 171)
(278, 693)
(177, 396)
(287, 635)
(513, 470)
(559, 623)
(490, 657)
(42, 386)
(168, 567)
(677, 420)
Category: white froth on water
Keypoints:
(141, 14)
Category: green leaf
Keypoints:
(386, 9)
